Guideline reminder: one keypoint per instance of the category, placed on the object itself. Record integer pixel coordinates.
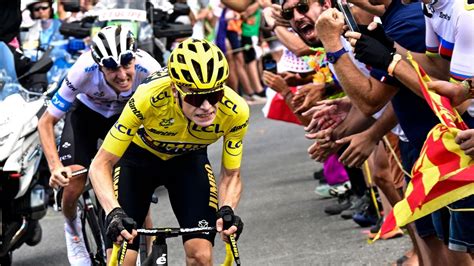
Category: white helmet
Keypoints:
(113, 46)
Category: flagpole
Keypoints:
(372, 192)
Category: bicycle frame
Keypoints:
(159, 253)
(90, 216)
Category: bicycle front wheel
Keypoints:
(93, 236)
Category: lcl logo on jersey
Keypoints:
(229, 104)
(213, 128)
(233, 147)
(161, 99)
(123, 129)
(210, 132)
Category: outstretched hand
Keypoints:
(360, 147)
(465, 139)
(307, 96)
(275, 81)
(327, 114)
(322, 148)
(455, 92)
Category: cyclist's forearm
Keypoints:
(48, 140)
(100, 173)
(230, 188)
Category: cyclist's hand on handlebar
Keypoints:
(228, 223)
(120, 226)
(60, 177)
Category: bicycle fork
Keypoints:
(159, 253)
(91, 218)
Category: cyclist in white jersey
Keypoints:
(92, 97)
(449, 33)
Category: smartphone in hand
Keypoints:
(348, 17)
(269, 64)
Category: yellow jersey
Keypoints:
(153, 119)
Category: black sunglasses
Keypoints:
(302, 7)
(41, 7)
(196, 99)
(111, 63)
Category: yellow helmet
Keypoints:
(198, 64)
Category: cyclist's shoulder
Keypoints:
(85, 65)
(146, 63)
(233, 105)
(155, 89)
(82, 75)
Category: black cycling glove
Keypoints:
(379, 34)
(227, 214)
(373, 53)
(116, 221)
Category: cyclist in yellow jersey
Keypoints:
(161, 139)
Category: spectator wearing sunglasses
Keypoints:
(161, 138)
(43, 31)
(41, 9)
(91, 97)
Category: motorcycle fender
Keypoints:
(31, 161)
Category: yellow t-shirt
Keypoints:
(153, 120)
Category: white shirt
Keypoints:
(87, 83)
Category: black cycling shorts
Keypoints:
(83, 128)
(188, 178)
(249, 54)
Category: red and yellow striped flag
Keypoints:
(442, 174)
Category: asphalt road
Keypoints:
(284, 220)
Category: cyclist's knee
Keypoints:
(73, 191)
(198, 252)
(199, 258)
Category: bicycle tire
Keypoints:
(93, 236)
(142, 250)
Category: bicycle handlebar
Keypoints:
(174, 232)
(118, 252)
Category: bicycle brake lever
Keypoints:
(129, 224)
(228, 221)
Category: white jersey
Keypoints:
(87, 83)
(450, 33)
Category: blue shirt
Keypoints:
(406, 25)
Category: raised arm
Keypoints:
(367, 93)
